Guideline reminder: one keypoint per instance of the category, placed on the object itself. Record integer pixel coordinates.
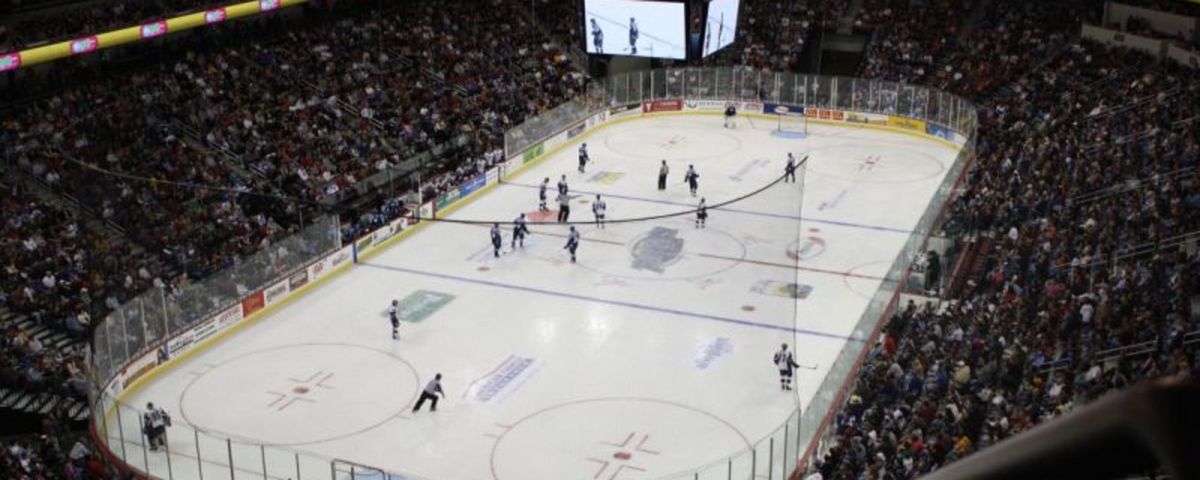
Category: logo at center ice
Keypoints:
(657, 249)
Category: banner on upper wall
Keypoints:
(906, 123)
(662, 106)
(782, 109)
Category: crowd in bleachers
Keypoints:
(1040, 332)
(54, 454)
(302, 117)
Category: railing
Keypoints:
(150, 322)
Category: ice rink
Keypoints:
(649, 357)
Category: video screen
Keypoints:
(635, 28)
(721, 27)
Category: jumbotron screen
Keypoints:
(635, 28)
(721, 25)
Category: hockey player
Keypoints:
(662, 175)
(496, 240)
(730, 114)
(789, 171)
(597, 37)
(786, 364)
(154, 424)
(633, 36)
(564, 207)
(394, 315)
(432, 390)
(562, 185)
(598, 209)
(583, 157)
(701, 213)
(542, 195)
(692, 178)
(520, 230)
(572, 243)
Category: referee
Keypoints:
(430, 393)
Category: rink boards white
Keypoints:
(873, 205)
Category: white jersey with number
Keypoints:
(599, 207)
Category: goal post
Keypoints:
(347, 470)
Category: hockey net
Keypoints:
(791, 123)
(347, 470)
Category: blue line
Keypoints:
(639, 306)
(735, 210)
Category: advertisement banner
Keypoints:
(939, 131)
(365, 242)
(751, 107)
(473, 185)
(275, 292)
(340, 257)
(825, 114)
(576, 130)
(253, 303)
(492, 176)
(662, 106)
(317, 270)
(445, 200)
(906, 123)
(533, 153)
(426, 210)
(298, 279)
(228, 317)
(781, 109)
(139, 367)
(181, 343)
(705, 105)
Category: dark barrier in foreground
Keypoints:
(1133, 431)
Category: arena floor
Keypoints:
(649, 357)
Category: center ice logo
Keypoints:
(657, 249)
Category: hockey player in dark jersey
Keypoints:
(597, 37)
(562, 186)
(583, 157)
(572, 243)
(633, 36)
(394, 316)
(692, 178)
(520, 229)
(542, 195)
(789, 171)
(497, 241)
(786, 364)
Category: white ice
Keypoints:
(620, 372)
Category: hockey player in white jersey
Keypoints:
(786, 364)
(598, 209)
(701, 213)
(154, 425)
(789, 170)
(597, 37)
(562, 186)
(497, 241)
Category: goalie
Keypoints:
(730, 113)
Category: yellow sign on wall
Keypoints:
(906, 123)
